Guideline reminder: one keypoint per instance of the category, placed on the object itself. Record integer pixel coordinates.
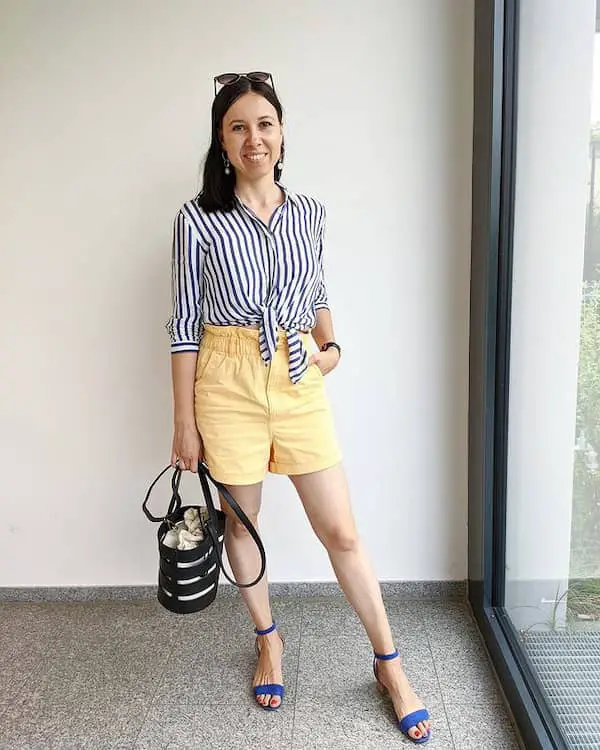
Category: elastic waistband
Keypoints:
(240, 339)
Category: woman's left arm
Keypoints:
(322, 333)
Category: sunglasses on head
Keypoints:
(226, 79)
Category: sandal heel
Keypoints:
(381, 688)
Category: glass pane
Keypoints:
(553, 505)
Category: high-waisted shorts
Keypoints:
(251, 417)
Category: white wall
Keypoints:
(105, 120)
(556, 56)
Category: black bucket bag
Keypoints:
(188, 578)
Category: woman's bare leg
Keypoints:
(245, 563)
(326, 501)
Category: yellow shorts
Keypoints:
(251, 417)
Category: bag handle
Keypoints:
(212, 526)
(175, 503)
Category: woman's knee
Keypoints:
(340, 539)
(236, 528)
(249, 499)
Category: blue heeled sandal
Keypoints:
(272, 690)
(411, 720)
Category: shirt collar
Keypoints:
(288, 195)
(292, 197)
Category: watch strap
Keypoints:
(331, 345)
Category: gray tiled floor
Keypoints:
(131, 676)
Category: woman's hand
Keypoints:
(187, 447)
(325, 361)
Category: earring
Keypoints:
(227, 165)
(279, 166)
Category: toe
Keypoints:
(275, 701)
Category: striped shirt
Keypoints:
(230, 268)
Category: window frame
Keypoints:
(494, 148)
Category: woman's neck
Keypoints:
(259, 194)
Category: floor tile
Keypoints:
(114, 675)
(405, 617)
(322, 616)
(181, 722)
(96, 679)
(76, 710)
(481, 727)
(467, 678)
(339, 670)
(448, 618)
(8, 697)
(27, 636)
(334, 665)
(358, 719)
(227, 621)
(17, 673)
(50, 630)
(212, 673)
(463, 666)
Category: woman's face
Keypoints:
(251, 136)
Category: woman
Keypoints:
(248, 291)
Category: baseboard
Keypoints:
(400, 589)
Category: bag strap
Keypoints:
(213, 525)
(205, 477)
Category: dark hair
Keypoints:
(217, 187)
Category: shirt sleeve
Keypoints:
(321, 300)
(183, 325)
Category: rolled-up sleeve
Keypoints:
(321, 300)
(183, 325)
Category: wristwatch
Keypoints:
(331, 345)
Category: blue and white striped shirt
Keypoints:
(230, 268)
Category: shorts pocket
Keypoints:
(209, 363)
(202, 362)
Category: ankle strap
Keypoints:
(267, 631)
(386, 657)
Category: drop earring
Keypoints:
(279, 166)
(226, 163)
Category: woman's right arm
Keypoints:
(184, 331)
(187, 445)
